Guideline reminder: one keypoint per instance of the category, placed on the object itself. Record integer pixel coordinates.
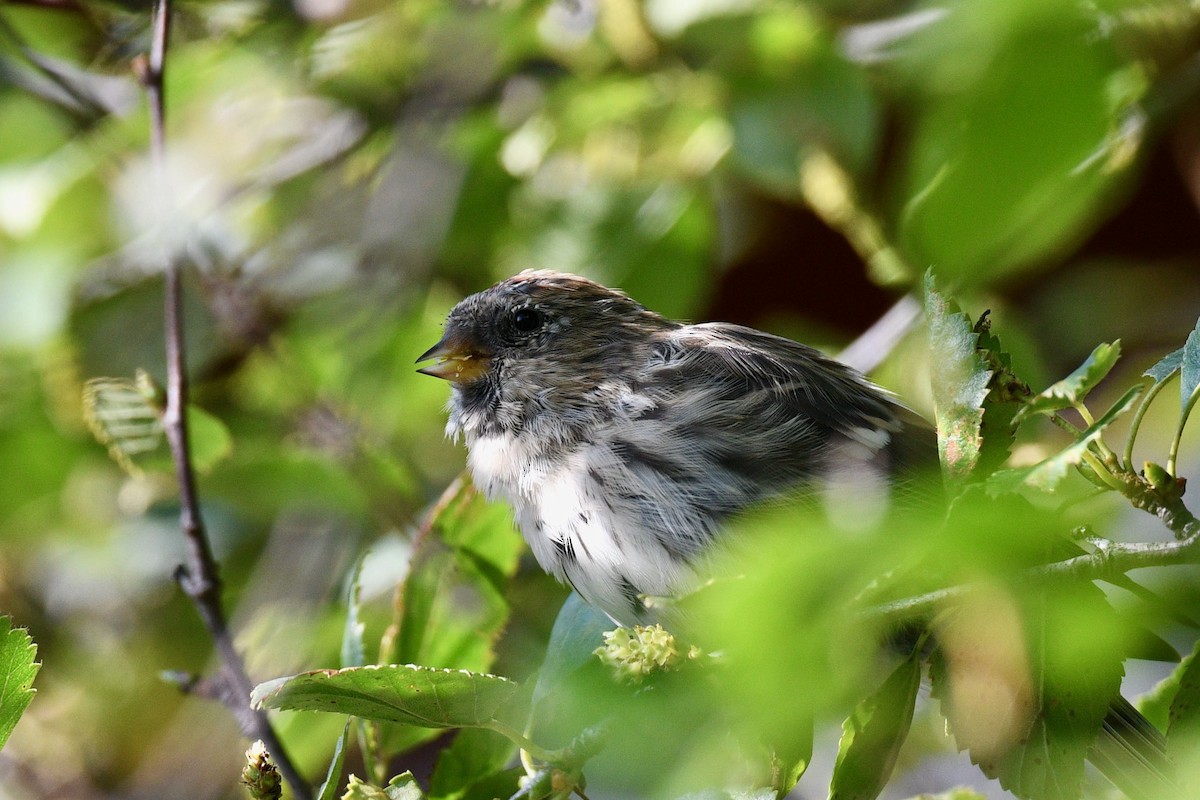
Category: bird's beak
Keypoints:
(460, 358)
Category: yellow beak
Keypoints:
(460, 360)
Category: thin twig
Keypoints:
(1136, 424)
(874, 345)
(1104, 563)
(1188, 406)
(198, 575)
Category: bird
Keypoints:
(625, 441)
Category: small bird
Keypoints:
(624, 440)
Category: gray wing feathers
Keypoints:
(729, 416)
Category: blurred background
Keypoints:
(343, 171)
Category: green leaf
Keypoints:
(401, 787)
(328, 789)
(506, 783)
(353, 649)
(1189, 367)
(353, 654)
(578, 630)
(404, 787)
(408, 694)
(1075, 387)
(209, 438)
(803, 97)
(1046, 475)
(873, 734)
(1183, 726)
(1155, 704)
(790, 761)
(1031, 80)
(960, 383)
(1006, 395)
(476, 755)
(959, 793)
(1166, 367)
(1026, 678)
(19, 666)
(452, 603)
(123, 417)
(258, 483)
(483, 528)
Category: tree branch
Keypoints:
(1108, 561)
(198, 577)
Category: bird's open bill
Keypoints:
(458, 360)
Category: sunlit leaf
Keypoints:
(452, 602)
(960, 383)
(471, 522)
(401, 787)
(1075, 387)
(873, 733)
(122, 418)
(802, 584)
(353, 654)
(408, 694)
(1048, 474)
(125, 417)
(18, 665)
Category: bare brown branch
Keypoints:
(199, 575)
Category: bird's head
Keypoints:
(543, 337)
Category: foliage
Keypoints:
(339, 173)
(17, 654)
(409, 695)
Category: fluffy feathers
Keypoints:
(624, 440)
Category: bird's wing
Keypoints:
(770, 409)
(721, 417)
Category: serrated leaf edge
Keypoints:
(260, 693)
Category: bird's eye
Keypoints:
(527, 320)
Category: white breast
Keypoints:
(572, 529)
(497, 463)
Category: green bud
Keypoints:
(1156, 476)
(260, 774)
